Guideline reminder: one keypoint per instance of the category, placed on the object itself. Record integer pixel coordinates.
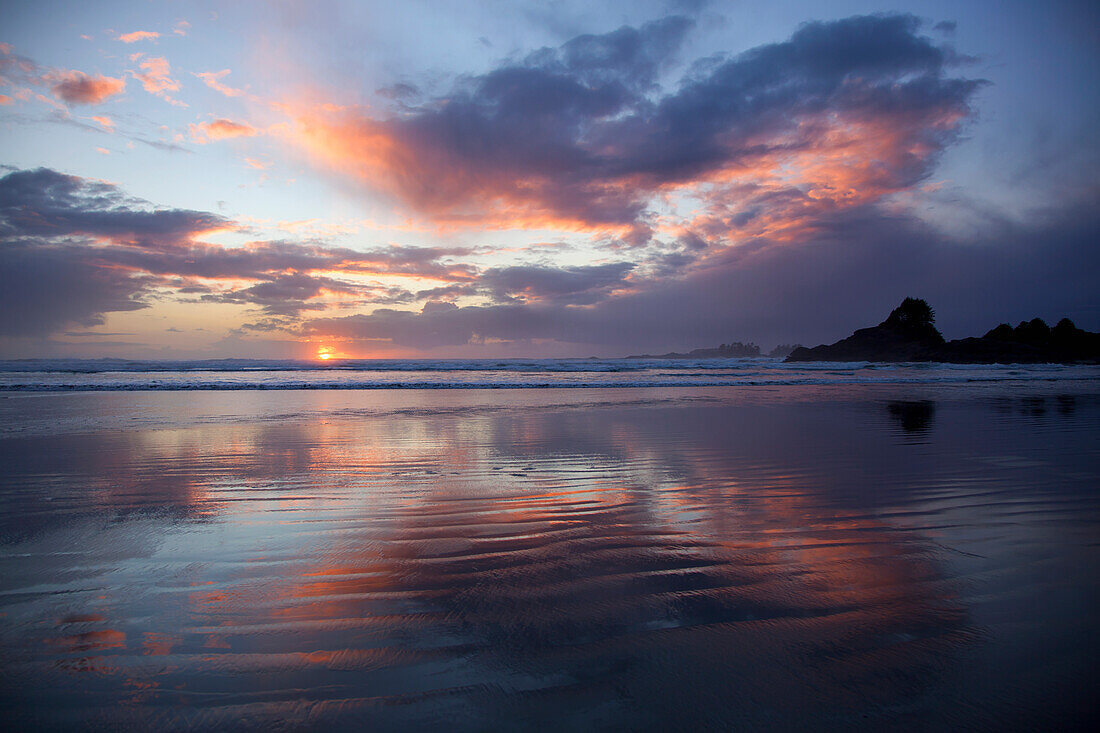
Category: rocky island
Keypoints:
(736, 350)
(909, 334)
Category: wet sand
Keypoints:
(826, 557)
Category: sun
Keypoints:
(324, 353)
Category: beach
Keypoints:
(896, 555)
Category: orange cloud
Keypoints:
(76, 87)
(212, 79)
(181, 28)
(220, 129)
(431, 179)
(5, 99)
(139, 36)
(106, 122)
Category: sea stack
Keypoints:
(907, 334)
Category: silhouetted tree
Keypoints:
(1065, 326)
(912, 313)
(738, 349)
(782, 351)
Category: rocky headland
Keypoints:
(909, 334)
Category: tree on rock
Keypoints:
(912, 313)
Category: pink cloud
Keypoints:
(212, 79)
(156, 77)
(220, 129)
(76, 87)
(105, 122)
(139, 36)
(5, 99)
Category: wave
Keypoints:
(244, 374)
(97, 366)
(593, 364)
(154, 386)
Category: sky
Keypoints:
(538, 179)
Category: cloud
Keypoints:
(284, 294)
(44, 288)
(445, 324)
(581, 136)
(858, 266)
(220, 129)
(156, 77)
(446, 292)
(76, 87)
(73, 249)
(138, 36)
(576, 285)
(56, 229)
(213, 79)
(53, 272)
(45, 203)
(15, 69)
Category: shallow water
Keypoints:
(830, 557)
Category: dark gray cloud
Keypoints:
(446, 324)
(46, 203)
(861, 264)
(282, 294)
(446, 292)
(43, 289)
(260, 259)
(582, 132)
(117, 251)
(576, 285)
(72, 249)
(288, 294)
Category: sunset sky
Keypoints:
(276, 179)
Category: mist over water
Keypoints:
(885, 555)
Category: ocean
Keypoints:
(238, 374)
(548, 545)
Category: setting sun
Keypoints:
(324, 353)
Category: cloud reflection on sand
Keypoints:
(630, 565)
